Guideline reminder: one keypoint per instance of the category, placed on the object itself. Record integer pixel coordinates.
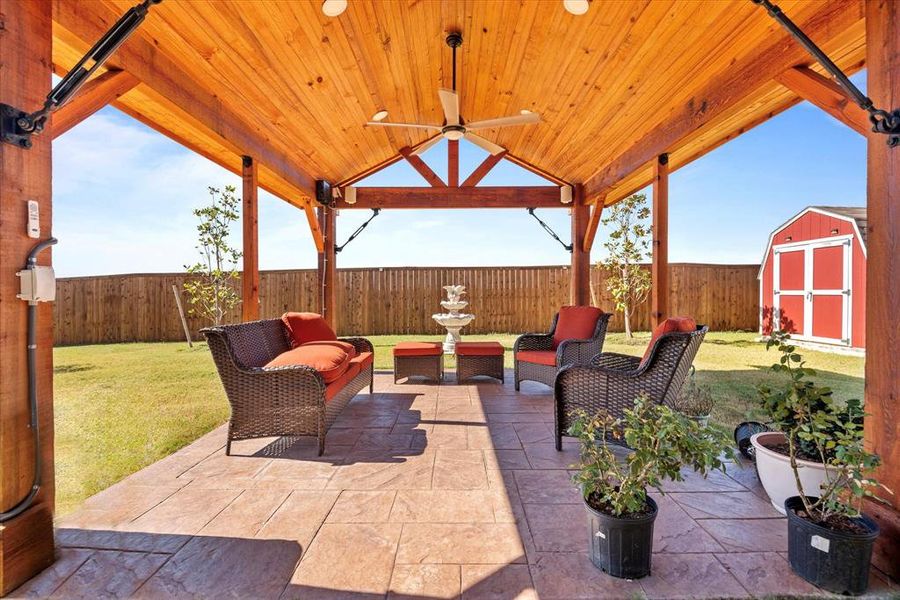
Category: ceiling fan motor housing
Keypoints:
(454, 39)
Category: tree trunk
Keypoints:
(627, 316)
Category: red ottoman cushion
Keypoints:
(418, 349)
(479, 349)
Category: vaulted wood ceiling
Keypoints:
(615, 87)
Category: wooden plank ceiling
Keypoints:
(614, 87)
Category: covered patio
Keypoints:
(425, 491)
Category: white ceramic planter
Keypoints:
(776, 475)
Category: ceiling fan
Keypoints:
(454, 127)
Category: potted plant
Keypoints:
(620, 511)
(695, 401)
(829, 539)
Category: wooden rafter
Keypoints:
(483, 169)
(827, 95)
(453, 163)
(535, 169)
(592, 226)
(95, 94)
(463, 197)
(424, 170)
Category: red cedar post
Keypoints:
(882, 394)
(581, 259)
(328, 280)
(453, 163)
(659, 293)
(26, 541)
(320, 266)
(250, 222)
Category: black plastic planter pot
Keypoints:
(622, 547)
(742, 435)
(837, 561)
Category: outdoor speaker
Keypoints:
(323, 192)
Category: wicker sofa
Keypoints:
(576, 335)
(613, 381)
(269, 395)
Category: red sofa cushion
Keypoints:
(575, 323)
(332, 389)
(307, 327)
(329, 361)
(418, 349)
(347, 347)
(670, 325)
(479, 349)
(538, 357)
(363, 359)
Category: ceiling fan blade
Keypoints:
(504, 122)
(450, 102)
(483, 143)
(413, 125)
(427, 144)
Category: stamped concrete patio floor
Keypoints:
(425, 491)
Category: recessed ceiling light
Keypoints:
(381, 115)
(524, 111)
(333, 8)
(577, 7)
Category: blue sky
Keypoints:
(123, 196)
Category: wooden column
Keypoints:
(250, 222)
(320, 264)
(328, 272)
(581, 259)
(882, 394)
(453, 163)
(26, 542)
(659, 294)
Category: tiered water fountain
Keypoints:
(454, 320)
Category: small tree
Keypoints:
(211, 291)
(627, 247)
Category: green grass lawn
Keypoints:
(124, 406)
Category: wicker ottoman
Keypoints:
(425, 359)
(479, 358)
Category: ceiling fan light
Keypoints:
(333, 8)
(380, 115)
(524, 111)
(454, 134)
(576, 7)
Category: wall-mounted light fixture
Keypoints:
(577, 7)
(380, 115)
(334, 8)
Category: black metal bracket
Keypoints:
(10, 132)
(359, 229)
(549, 230)
(883, 121)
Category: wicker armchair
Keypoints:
(281, 401)
(569, 352)
(613, 381)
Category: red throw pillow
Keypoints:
(576, 323)
(329, 361)
(307, 327)
(670, 325)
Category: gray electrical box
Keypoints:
(37, 284)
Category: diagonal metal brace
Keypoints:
(549, 230)
(359, 229)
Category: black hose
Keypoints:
(23, 504)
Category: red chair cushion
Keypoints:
(479, 349)
(576, 323)
(418, 349)
(329, 361)
(307, 327)
(670, 325)
(363, 359)
(538, 357)
(332, 389)
(347, 347)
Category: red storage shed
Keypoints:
(813, 277)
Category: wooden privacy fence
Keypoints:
(142, 308)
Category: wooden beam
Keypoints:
(536, 170)
(659, 269)
(722, 93)
(453, 163)
(827, 95)
(95, 94)
(483, 169)
(424, 170)
(462, 197)
(882, 392)
(580, 288)
(250, 222)
(328, 281)
(592, 226)
(26, 541)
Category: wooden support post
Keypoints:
(453, 163)
(593, 225)
(328, 279)
(26, 541)
(659, 293)
(823, 92)
(882, 394)
(320, 264)
(581, 259)
(250, 222)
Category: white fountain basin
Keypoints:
(454, 306)
(449, 320)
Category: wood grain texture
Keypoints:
(826, 94)
(483, 169)
(26, 542)
(421, 168)
(250, 229)
(580, 288)
(328, 273)
(453, 163)
(592, 226)
(96, 93)
(660, 293)
(448, 197)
